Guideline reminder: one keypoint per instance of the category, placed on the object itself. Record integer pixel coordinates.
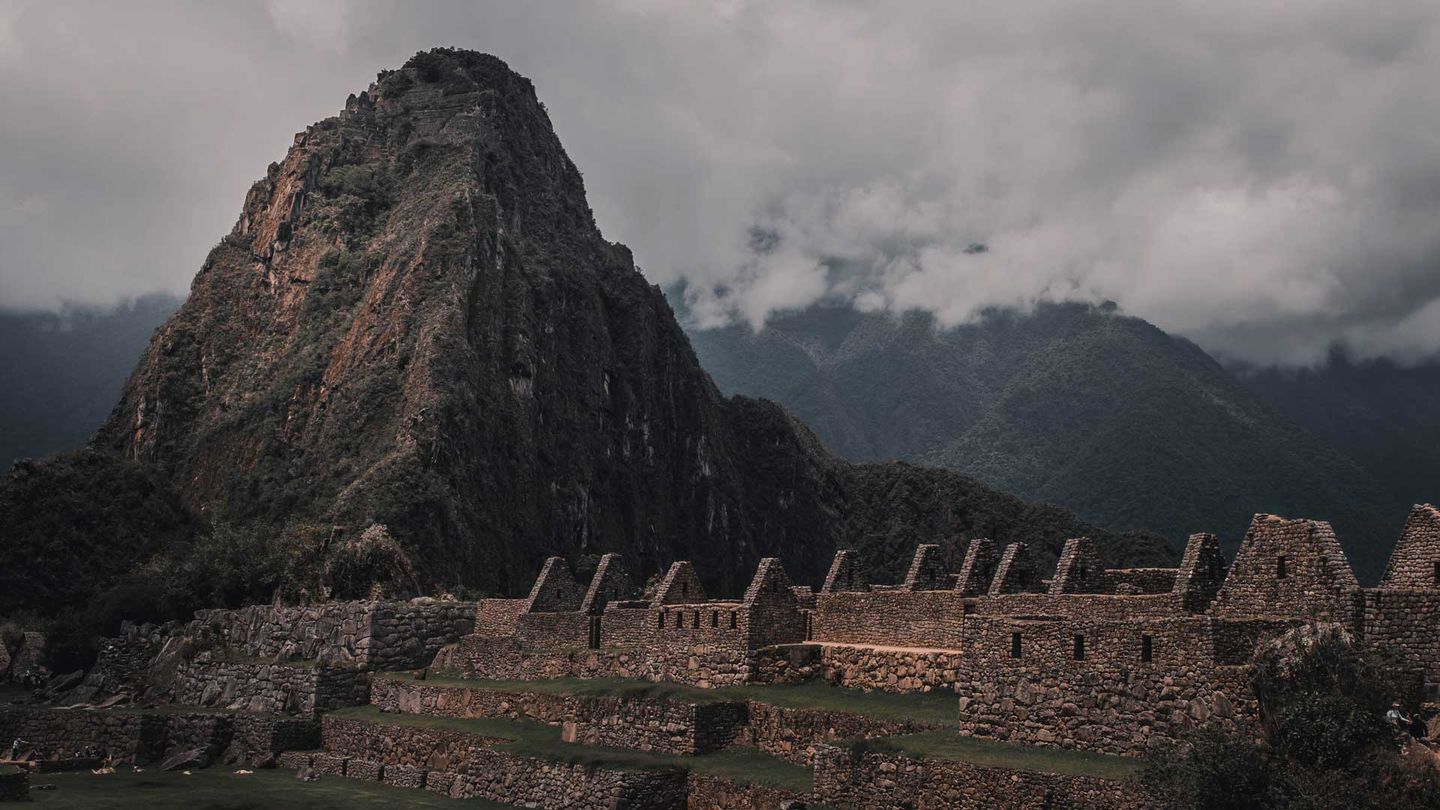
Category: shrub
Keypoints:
(1326, 743)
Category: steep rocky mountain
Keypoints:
(62, 371)
(1071, 404)
(415, 324)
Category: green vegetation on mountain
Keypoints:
(1384, 415)
(1071, 404)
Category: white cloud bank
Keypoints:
(1261, 176)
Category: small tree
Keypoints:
(1325, 742)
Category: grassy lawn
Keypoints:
(942, 744)
(935, 708)
(535, 739)
(219, 788)
(941, 709)
(597, 687)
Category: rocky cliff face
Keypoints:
(415, 322)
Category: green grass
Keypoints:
(533, 738)
(935, 708)
(941, 709)
(220, 789)
(598, 687)
(938, 709)
(941, 744)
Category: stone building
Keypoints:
(1090, 657)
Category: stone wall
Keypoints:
(140, 737)
(712, 793)
(255, 738)
(796, 734)
(1113, 607)
(1073, 684)
(685, 658)
(463, 766)
(662, 726)
(1289, 568)
(364, 635)
(125, 737)
(1404, 626)
(884, 781)
(496, 618)
(1415, 563)
(529, 782)
(418, 697)
(267, 688)
(431, 749)
(891, 618)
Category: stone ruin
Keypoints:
(1082, 657)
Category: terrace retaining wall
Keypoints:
(881, 781)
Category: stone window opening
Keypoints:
(1147, 648)
(714, 618)
(695, 622)
(679, 620)
(1079, 647)
(660, 620)
(1280, 567)
(1437, 573)
(733, 620)
(1015, 645)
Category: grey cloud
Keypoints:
(1261, 176)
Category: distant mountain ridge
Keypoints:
(1071, 404)
(63, 371)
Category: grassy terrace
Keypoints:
(535, 739)
(936, 708)
(943, 744)
(220, 788)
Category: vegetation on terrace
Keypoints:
(944, 744)
(934, 708)
(533, 738)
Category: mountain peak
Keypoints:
(416, 325)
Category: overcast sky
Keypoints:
(1263, 177)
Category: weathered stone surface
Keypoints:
(873, 781)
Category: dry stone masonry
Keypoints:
(1090, 658)
(1112, 661)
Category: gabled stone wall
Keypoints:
(555, 590)
(1079, 569)
(1289, 568)
(927, 572)
(978, 569)
(1415, 563)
